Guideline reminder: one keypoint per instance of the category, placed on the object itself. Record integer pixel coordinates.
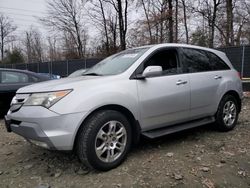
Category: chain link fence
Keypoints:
(62, 68)
(239, 57)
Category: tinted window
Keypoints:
(195, 60)
(167, 59)
(216, 63)
(13, 77)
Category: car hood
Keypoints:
(62, 84)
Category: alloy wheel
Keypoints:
(110, 141)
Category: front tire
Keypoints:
(104, 140)
(227, 114)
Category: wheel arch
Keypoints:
(134, 123)
(236, 95)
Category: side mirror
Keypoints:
(152, 71)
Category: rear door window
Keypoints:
(195, 60)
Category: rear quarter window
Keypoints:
(217, 63)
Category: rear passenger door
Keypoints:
(205, 71)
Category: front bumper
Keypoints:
(44, 127)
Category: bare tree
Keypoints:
(210, 23)
(33, 43)
(121, 8)
(170, 22)
(158, 20)
(53, 53)
(38, 46)
(232, 27)
(113, 32)
(69, 50)
(97, 13)
(66, 17)
(28, 45)
(146, 9)
(185, 20)
(6, 28)
(162, 20)
(247, 26)
(208, 9)
(240, 23)
(105, 21)
(104, 25)
(229, 28)
(176, 20)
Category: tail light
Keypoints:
(239, 75)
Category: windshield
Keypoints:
(116, 63)
(77, 73)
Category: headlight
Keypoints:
(46, 99)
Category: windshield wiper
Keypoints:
(92, 74)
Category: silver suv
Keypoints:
(151, 91)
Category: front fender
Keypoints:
(123, 93)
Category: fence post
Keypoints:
(51, 68)
(242, 61)
(67, 65)
(37, 66)
(85, 63)
(48, 67)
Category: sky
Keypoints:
(24, 13)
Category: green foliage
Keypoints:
(14, 56)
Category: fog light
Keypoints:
(39, 143)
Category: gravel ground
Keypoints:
(200, 157)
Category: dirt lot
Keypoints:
(200, 157)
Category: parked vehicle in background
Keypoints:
(11, 80)
(152, 91)
(77, 73)
(51, 76)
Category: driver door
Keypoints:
(165, 99)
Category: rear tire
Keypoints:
(104, 140)
(227, 113)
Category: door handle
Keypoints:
(180, 82)
(217, 77)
